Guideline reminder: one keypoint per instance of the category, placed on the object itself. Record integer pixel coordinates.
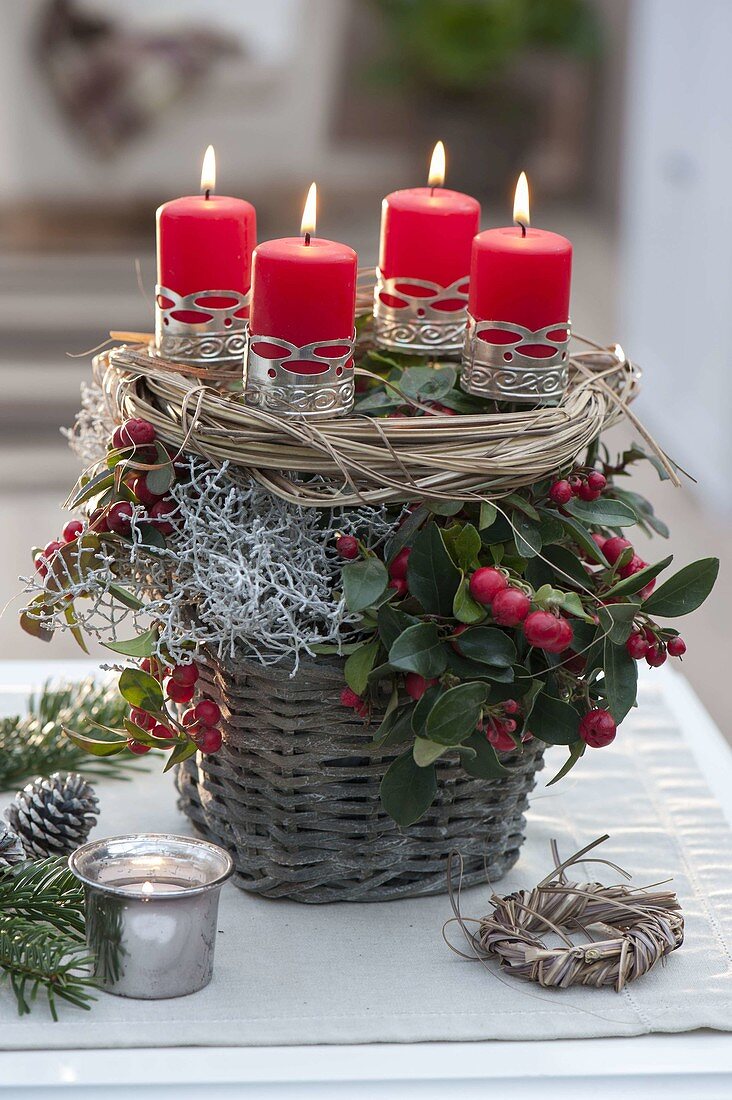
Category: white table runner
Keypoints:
(296, 974)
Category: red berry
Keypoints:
(210, 740)
(597, 729)
(142, 719)
(400, 586)
(350, 699)
(137, 747)
(575, 484)
(119, 518)
(133, 433)
(510, 706)
(179, 693)
(676, 647)
(41, 565)
(208, 712)
(98, 520)
(508, 725)
(398, 568)
(541, 628)
(499, 737)
(163, 514)
(510, 607)
(599, 540)
(647, 589)
(347, 546)
(634, 566)
(50, 549)
(596, 481)
(561, 492)
(586, 492)
(141, 491)
(564, 639)
(153, 667)
(614, 547)
(72, 530)
(637, 645)
(656, 655)
(416, 685)
(485, 583)
(185, 674)
(163, 733)
(189, 717)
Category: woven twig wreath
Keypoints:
(627, 930)
(365, 460)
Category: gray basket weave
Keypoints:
(294, 796)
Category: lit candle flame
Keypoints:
(307, 225)
(436, 177)
(147, 888)
(521, 202)
(208, 171)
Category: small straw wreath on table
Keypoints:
(637, 928)
(362, 460)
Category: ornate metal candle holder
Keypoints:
(199, 330)
(505, 372)
(314, 381)
(417, 324)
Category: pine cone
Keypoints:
(53, 816)
(11, 847)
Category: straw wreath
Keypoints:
(637, 927)
(366, 460)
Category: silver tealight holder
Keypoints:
(207, 329)
(314, 381)
(418, 324)
(151, 911)
(499, 369)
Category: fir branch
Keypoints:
(34, 744)
(42, 935)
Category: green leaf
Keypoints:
(129, 599)
(463, 545)
(572, 604)
(422, 708)
(427, 383)
(181, 752)
(392, 623)
(141, 690)
(468, 669)
(419, 650)
(629, 585)
(464, 607)
(407, 790)
(162, 477)
(527, 536)
(404, 532)
(431, 573)
(616, 620)
(363, 583)
(488, 645)
(621, 679)
(488, 514)
(576, 751)
(31, 619)
(523, 505)
(566, 564)
(583, 538)
(359, 665)
(604, 512)
(92, 488)
(94, 745)
(484, 764)
(455, 714)
(141, 646)
(685, 591)
(150, 536)
(445, 507)
(426, 752)
(73, 624)
(394, 730)
(553, 721)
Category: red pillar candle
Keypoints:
(301, 328)
(205, 242)
(519, 274)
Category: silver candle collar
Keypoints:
(417, 325)
(504, 372)
(218, 339)
(151, 911)
(277, 384)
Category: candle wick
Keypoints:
(523, 228)
(307, 239)
(432, 192)
(207, 193)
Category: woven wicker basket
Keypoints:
(293, 794)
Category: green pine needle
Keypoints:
(34, 744)
(42, 935)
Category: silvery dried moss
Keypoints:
(244, 573)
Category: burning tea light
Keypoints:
(151, 908)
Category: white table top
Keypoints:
(691, 1064)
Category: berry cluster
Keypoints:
(511, 606)
(350, 699)
(199, 724)
(500, 725)
(654, 645)
(587, 485)
(135, 440)
(70, 533)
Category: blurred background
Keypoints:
(619, 111)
